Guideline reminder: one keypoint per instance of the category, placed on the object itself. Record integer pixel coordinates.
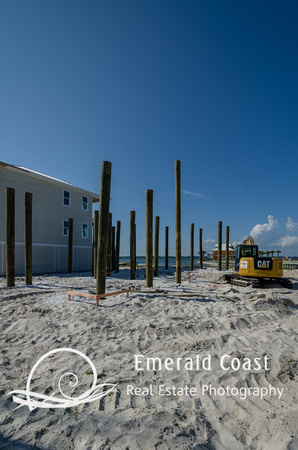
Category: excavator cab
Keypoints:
(245, 251)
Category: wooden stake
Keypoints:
(192, 238)
(149, 237)
(178, 220)
(227, 247)
(219, 252)
(167, 248)
(156, 246)
(118, 228)
(132, 245)
(10, 236)
(103, 226)
(28, 238)
(201, 247)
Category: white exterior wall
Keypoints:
(50, 247)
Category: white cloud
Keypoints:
(208, 241)
(259, 230)
(195, 194)
(291, 225)
(288, 241)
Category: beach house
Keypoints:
(54, 203)
(223, 251)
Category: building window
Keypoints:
(65, 227)
(84, 230)
(84, 203)
(66, 198)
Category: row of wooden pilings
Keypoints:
(105, 252)
(10, 237)
(103, 248)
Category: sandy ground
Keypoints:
(186, 404)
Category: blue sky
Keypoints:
(143, 83)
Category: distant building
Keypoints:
(223, 251)
(54, 202)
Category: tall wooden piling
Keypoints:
(28, 238)
(133, 245)
(113, 248)
(166, 247)
(118, 228)
(227, 247)
(10, 236)
(149, 237)
(219, 252)
(178, 219)
(156, 246)
(95, 242)
(192, 239)
(70, 240)
(109, 251)
(103, 226)
(201, 247)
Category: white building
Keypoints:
(54, 202)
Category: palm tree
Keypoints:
(278, 252)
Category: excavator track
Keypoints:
(239, 280)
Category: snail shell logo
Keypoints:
(68, 379)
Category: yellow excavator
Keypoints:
(254, 270)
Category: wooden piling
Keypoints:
(117, 256)
(113, 248)
(156, 246)
(70, 239)
(109, 251)
(201, 247)
(149, 237)
(95, 242)
(227, 247)
(103, 226)
(166, 247)
(178, 219)
(219, 252)
(28, 238)
(10, 236)
(132, 245)
(192, 238)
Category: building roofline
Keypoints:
(35, 174)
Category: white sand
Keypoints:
(205, 316)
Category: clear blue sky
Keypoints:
(143, 83)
